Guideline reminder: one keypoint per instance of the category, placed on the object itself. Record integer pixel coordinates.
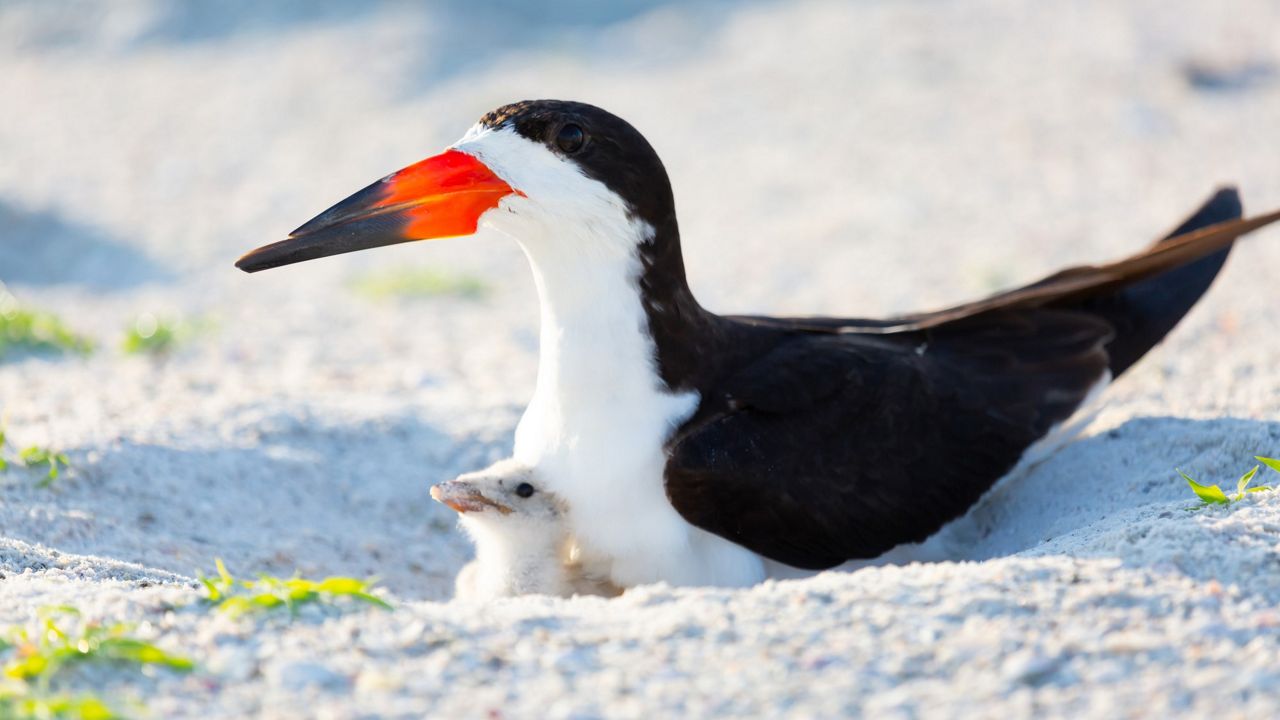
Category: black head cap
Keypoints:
(605, 146)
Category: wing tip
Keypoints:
(1222, 206)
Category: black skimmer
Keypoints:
(691, 447)
(523, 542)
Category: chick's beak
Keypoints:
(442, 196)
(464, 498)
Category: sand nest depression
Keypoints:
(858, 160)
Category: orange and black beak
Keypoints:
(442, 196)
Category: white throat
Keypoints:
(516, 557)
(600, 415)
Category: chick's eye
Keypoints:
(524, 490)
(570, 139)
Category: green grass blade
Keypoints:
(50, 476)
(132, 650)
(341, 585)
(235, 606)
(1207, 493)
(211, 587)
(21, 705)
(1272, 463)
(1244, 481)
(373, 600)
(267, 592)
(151, 335)
(31, 331)
(26, 668)
(227, 580)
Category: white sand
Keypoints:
(928, 152)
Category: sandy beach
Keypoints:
(927, 152)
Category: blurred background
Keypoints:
(855, 158)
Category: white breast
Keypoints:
(600, 414)
(597, 425)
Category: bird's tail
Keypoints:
(1144, 312)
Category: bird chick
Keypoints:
(521, 533)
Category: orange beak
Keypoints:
(442, 196)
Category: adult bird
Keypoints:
(690, 446)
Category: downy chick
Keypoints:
(521, 533)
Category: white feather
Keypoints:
(514, 557)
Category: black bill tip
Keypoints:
(315, 240)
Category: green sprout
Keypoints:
(35, 456)
(37, 655)
(149, 334)
(43, 654)
(1213, 495)
(419, 283)
(32, 331)
(238, 597)
(20, 704)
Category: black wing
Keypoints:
(835, 447)
(852, 436)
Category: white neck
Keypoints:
(595, 347)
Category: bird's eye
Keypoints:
(524, 490)
(570, 139)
